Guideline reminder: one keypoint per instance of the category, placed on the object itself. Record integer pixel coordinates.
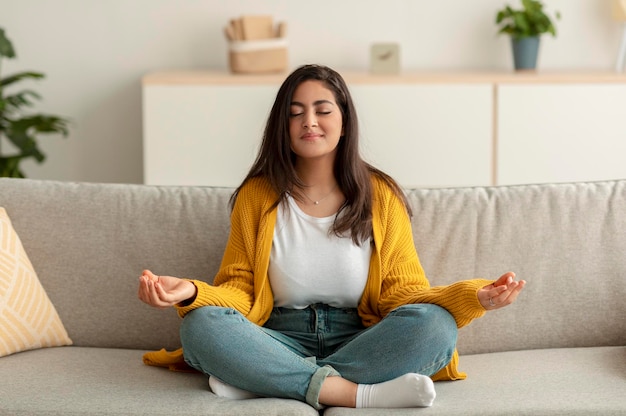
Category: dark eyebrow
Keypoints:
(318, 102)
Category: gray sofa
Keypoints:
(559, 350)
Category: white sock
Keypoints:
(409, 390)
(226, 390)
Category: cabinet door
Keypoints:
(428, 135)
(203, 134)
(561, 133)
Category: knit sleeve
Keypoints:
(232, 295)
(460, 299)
(233, 285)
(403, 280)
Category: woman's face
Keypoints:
(315, 121)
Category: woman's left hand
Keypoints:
(501, 293)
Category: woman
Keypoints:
(320, 296)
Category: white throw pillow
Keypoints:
(28, 320)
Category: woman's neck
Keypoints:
(320, 196)
(316, 175)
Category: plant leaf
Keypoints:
(20, 76)
(529, 21)
(9, 167)
(6, 47)
(521, 22)
(26, 144)
(22, 133)
(41, 123)
(13, 102)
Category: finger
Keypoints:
(151, 275)
(497, 291)
(164, 297)
(514, 293)
(499, 295)
(143, 291)
(155, 299)
(508, 297)
(145, 294)
(505, 279)
(150, 294)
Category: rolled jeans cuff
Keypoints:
(313, 392)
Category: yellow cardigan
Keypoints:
(395, 277)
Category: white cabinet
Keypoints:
(561, 133)
(205, 128)
(424, 129)
(202, 134)
(428, 135)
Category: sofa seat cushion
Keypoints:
(100, 381)
(97, 381)
(570, 381)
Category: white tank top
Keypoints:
(308, 265)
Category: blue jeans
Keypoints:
(294, 352)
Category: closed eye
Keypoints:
(321, 108)
(323, 113)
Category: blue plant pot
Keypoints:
(525, 51)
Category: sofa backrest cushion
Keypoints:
(89, 243)
(568, 241)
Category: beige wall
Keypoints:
(95, 52)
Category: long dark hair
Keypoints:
(276, 161)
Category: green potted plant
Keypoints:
(20, 128)
(525, 27)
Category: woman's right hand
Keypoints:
(164, 291)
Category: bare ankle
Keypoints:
(337, 391)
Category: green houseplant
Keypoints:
(17, 126)
(525, 27)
